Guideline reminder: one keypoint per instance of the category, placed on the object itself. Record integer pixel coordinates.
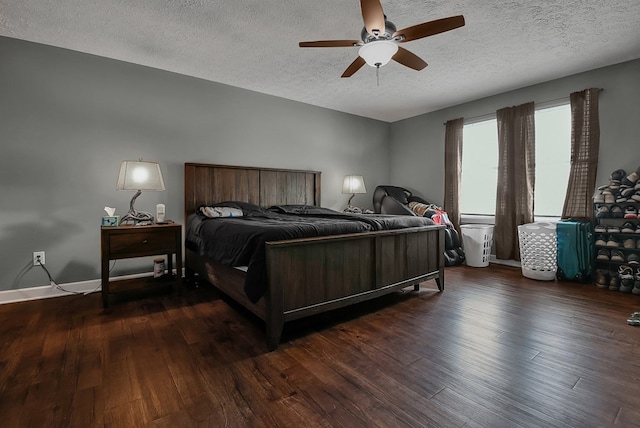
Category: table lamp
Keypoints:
(353, 184)
(139, 175)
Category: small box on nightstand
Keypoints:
(110, 220)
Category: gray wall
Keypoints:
(68, 120)
(417, 144)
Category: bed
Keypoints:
(306, 276)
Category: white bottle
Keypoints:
(159, 213)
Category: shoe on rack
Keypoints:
(626, 285)
(636, 288)
(614, 285)
(602, 278)
(613, 188)
(617, 256)
(633, 259)
(612, 242)
(618, 175)
(631, 179)
(616, 211)
(602, 211)
(602, 228)
(603, 255)
(626, 191)
(629, 243)
(630, 212)
(613, 229)
(598, 196)
(628, 227)
(635, 196)
(601, 240)
(608, 197)
(625, 272)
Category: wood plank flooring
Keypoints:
(493, 350)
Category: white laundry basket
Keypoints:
(476, 242)
(538, 250)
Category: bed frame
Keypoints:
(311, 275)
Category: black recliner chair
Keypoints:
(395, 200)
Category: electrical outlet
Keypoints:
(38, 258)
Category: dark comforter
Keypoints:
(239, 241)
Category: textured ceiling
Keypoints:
(254, 44)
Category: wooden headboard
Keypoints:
(208, 184)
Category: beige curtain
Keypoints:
(516, 177)
(585, 143)
(453, 169)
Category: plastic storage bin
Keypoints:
(538, 250)
(476, 242)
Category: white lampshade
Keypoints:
(353, 184)
(378, 53)
(140, 175)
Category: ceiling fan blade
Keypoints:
(330, 44)
(409, 59)
(430, 28)
(355, 66)
(373, 16)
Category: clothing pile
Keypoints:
(432, 211)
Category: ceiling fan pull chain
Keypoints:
(377, 74)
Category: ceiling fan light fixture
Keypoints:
(378, 53)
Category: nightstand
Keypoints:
(124, 242)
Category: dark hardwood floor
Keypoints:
(494, 350)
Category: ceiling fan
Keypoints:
(380, 39)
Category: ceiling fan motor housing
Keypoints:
(389, 29)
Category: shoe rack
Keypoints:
(617, 246)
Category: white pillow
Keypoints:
(212, 212)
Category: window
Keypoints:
(553, 161)
(479, 168)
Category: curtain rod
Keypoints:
(488, 116)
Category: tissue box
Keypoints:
(111, 220)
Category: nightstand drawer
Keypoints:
(142, 243)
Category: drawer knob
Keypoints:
(144, 241)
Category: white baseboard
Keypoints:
(47, 291)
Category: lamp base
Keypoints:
(353, 210)
(137, 218)
(134, 217)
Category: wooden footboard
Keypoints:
(309, 276)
